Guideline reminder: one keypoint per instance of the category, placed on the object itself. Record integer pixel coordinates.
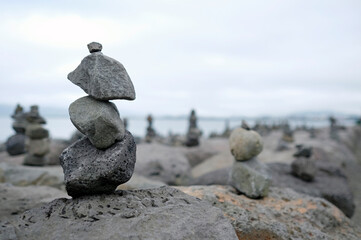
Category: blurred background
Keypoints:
(228, 60)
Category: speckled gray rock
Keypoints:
(160, 213)
(88, 170)
(36, 131)
(251, 178)
(98, 120)
(15, 145)
(245, 144)
(304, 168)
(102, 77)
(94, 47)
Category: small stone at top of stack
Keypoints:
(304, 167)
(105, 157)
(248, 175)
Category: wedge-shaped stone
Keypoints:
(103, 78)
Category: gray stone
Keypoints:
(216, 177)
(162, 163)
(245, 144)
(36, 131)
(15, 145)
(284, 214)
(89, 170)
(329, 183)
(37, 147)
(98, 120)
(304, 168)
(94, 47)
(103, 78)
(32, 160)
(250, 178)
(161, 213)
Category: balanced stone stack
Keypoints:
(15, 145)
(304, 167)
(333, 128)
(193, 131)
(37, 143)
(248, 175)
(150, 134)
(105, 157)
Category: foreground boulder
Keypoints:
(284, 214)
(162, 213)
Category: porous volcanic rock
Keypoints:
(161, 213)
(88, 170)
(284, 214)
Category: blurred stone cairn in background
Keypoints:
(248, 175)
(193, 134)
(150, 132)
(304, 167)
(105, 157)
(38, 143)
(15, 144)
(333, 129)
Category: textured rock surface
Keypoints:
(163, 213)
(27, 176)
(284, 214)
(103, 78)
(15, 145)
(162, 163)
(16, 200)
(89, 170)
(329, 183)
(245, 144)
(36, 131)
(98, 120)
(250, 177)
(304, 168)
(94, 47)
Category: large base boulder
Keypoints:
(161, 213)
(283, 214)
(89, 170)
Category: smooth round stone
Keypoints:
(245, 144)
(90, 171)
(98, 120)
(15, 145)
(36, 131)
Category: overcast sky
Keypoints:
(222, 58)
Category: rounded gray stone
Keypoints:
(304, 168)
(245, 144)
(32, 160)
(15, 145)
(37, 147)
(36, 131)
(98, 120)
(103, 78)
(89, 171)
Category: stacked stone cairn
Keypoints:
(304, 167)
(150, 133)
(37, 143)
(248, 175)
(15, 145)
(193, 133)
(333, 128)
(105, 157)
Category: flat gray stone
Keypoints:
(89, 171)
(245, 144)
(160, 213)
(36, 131)
(103, 78)
(32, 160)
(98, 120)
(250, 178)
(37, 147)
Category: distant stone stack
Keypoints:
(333, 128)
(15, 145)
(303, 166)
(38, 143)
(193, 133)
(105, 157)
(248, 175)
(150, 134)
